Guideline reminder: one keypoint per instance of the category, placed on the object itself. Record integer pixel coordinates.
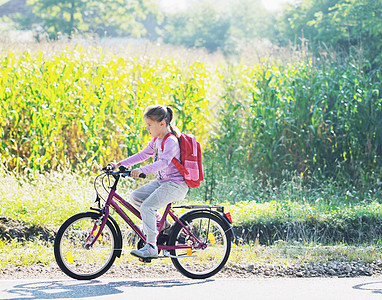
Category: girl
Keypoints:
(169, 186)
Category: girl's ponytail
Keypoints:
(159, 113)
(170, 116)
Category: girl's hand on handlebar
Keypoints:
(113, 165)
(135, 173)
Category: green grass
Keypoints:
(290, 212)
(50, 198)
(14, 253)
(43, 199)
(283, 253)
(25, 253)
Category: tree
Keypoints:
(218, 24)
(346, 25)
(249, 19)
(117, 17)
(62, 16)
(360, 24)
(204, 26)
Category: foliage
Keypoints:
(347, 26)
(249, 19)
(322, 121)
(352, 26)
(25, 253)
(111, 17)
(44, 199)
(291, 212)
(216, 26)
(205, 26)
(293, 221)
(83, 106)
(80, 106)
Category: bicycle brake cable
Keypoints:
(95, 186)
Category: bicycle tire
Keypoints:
(73, 258)
(206, 227)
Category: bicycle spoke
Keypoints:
(72, 250)
(197, 262)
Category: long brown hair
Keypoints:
(158, 113)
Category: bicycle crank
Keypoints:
(167, 254)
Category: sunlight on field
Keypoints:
(28, 253)
(25, 253)
(44, 199)
(88, 104)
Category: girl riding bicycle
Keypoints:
(168, 187)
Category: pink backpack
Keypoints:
(190, 164)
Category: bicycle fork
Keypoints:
(100, 222)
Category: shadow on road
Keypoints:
(374, 287)
(82, 289)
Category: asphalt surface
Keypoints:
(182, 288)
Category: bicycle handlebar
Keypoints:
(122, 171)
(128, 174)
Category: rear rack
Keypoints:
(219, 208)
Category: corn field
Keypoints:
(318, 121)
(80, 107)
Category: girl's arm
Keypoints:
(140, 156)
(171, 149)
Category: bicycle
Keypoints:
(198, 242)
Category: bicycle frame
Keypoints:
(111, 202)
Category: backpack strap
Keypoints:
(194, 145)
(176, 162)
(180, 167)
(165, 138)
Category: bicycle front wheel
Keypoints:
(209, 229)
(74, 258)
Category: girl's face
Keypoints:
(156, 129)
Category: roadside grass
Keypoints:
(49, 199)
(13, 253)
(283, 253)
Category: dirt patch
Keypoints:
(11, 229)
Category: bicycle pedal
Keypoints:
(145, 260)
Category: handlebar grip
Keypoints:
(123, 169)
(142, 175)
(107, 168)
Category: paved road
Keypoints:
(182, 288)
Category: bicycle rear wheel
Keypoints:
(201, 263)
(78, 261)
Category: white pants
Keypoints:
(152, 196)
